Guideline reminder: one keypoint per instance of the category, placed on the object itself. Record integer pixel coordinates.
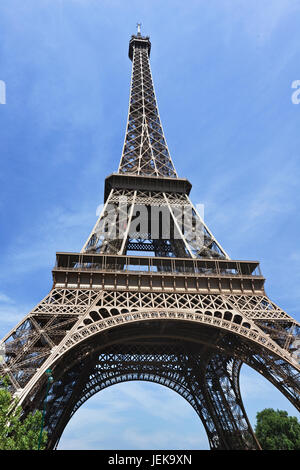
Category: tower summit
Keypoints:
(152, 296)
(139, 41)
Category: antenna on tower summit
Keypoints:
(138, 25)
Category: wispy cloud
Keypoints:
(150, 400)
(5, 299)
(10, 313)
(57, 230)
(164, 439)
(258, 393)
(135, 415)
(262, 209)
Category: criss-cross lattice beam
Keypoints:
(178, 367)
(145, 150)
(168, 223)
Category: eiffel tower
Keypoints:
(152, 296)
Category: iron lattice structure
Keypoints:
(140, 304)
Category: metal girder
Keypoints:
(182, 367)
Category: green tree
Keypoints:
(275, 430)
(17, 433)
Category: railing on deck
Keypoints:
(123, 263)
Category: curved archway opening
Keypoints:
(159, 348)
(135, 415)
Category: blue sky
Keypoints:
(223, 72)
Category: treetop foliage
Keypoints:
(275, 430)
(17, 433)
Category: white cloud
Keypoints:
(163, 439)
(57, 230)
(135, 415)
(258, 393)
(5, 299)
(11, 313)
(253, 385)
(256, 212)
(149, 398)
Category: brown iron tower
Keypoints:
(152, 296)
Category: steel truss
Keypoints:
(186, 317)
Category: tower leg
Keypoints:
(221, 378)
